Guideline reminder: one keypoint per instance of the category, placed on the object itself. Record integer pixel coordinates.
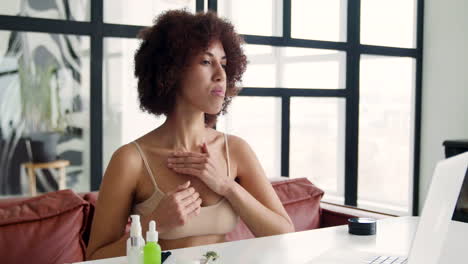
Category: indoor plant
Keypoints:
(41, 111)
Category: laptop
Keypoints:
(443, 226)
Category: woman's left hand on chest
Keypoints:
(205, 166)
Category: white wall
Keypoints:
(445, 82)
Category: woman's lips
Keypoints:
(219, 93)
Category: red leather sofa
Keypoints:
(54, 227)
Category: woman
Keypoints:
(194, 181)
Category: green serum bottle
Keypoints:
(152, 250)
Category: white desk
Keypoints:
(394, 236)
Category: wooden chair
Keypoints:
(57, 164)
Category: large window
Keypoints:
(44, 80)
(142, 12)
(346, 76)
(122, 118)
(336, 87)
(386, 117)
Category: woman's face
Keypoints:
(203, 86)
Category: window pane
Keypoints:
(388, 23)
(45, 89)
(123, 119)
(259, 17)
(294, 67)
(142, 12)
(76, 10)
(386, 117)
(317, 143)
(262, 130)
(260, 75)
(319, 20)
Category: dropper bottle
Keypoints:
(135, 242)
(152, 250)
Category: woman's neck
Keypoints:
(184, 133)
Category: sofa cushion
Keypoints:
(48, 227)
(91, 198)
(300, 198)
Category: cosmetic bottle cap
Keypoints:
(135, 228)
(151, 234)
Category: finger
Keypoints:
(192, 209)
(188, 171)
(189, 200)
(187, 165)
(205, 149)
(181, 195)
(187, 160)
(194, 213)
(188, 154)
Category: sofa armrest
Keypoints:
(335, 214)
(301, 200)
(332, 218)
(43, 229)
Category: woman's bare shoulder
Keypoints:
(127, 152)
(240, 151)
(125, 162)
(237, 144)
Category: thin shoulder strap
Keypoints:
(143, 157)
(227, 155)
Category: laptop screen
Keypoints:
(442, 224)
(461, 209)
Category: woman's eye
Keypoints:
(206, 62)
(224, 66)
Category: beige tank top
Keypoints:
(215, 219)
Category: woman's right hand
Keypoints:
(177, 207)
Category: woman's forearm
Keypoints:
(113, 249)
(261, 220)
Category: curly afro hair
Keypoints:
(166, 50)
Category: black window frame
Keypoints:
(98, 30)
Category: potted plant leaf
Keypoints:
(41, 113)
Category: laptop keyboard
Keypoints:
(386, 260)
